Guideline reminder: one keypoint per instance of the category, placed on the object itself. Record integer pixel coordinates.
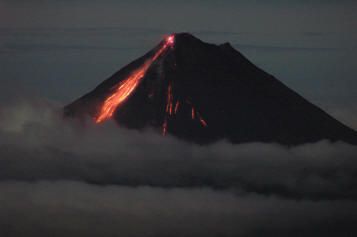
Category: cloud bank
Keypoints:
(60, 178)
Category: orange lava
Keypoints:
(202, 121)
(193, 113)
(177, 106)
(125, 88)
(169, 100)
(171, 110)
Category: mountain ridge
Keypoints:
(219, 93)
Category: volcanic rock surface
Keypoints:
(202, 92)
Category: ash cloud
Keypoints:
(65, 179)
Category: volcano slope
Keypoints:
(201, 93)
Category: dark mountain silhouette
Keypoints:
(202, 92)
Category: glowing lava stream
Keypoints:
(126, 87)
(171, 110)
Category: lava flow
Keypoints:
(125, 88)
(172, 110)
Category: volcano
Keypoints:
(201, 92)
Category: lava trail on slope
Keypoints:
(126, 87)
(202, 92)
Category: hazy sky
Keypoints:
(58, 179)
(61, 49)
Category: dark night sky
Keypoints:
(58, 178)
(62, 49)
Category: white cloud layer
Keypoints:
(60, 178)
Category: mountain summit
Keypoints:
(203, 92)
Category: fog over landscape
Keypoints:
(59, 177)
